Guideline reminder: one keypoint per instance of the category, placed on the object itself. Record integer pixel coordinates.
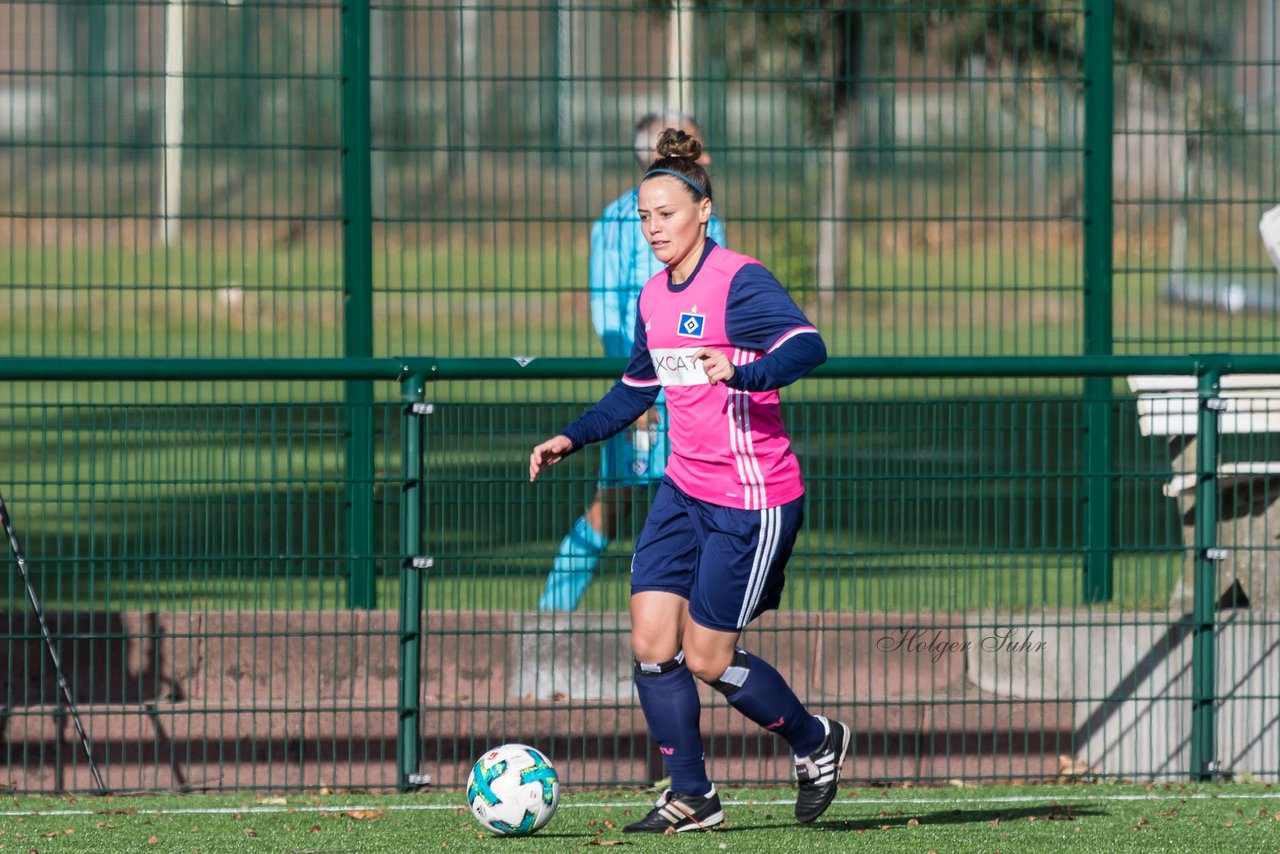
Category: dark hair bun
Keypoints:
(676, 143)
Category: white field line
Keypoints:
(879, 803)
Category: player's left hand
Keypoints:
(715, 363)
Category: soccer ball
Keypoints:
(513, 790)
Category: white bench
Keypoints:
(1249, 526)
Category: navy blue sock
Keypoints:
(669, 698)
(754, 688)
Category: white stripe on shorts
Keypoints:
(766, 550)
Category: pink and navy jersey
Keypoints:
(728, 446)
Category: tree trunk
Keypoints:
(848, 41)
(833, 207)
(466, 100)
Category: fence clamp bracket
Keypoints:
(418, 779)
(423, 409)
(422, 562)
(1218, 404)
(1215, 554)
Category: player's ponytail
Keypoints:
(678, 154)
(677, 143)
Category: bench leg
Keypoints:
(1249, 531)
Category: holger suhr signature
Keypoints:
(937, 645)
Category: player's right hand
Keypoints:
(548, 453)
(716, 364)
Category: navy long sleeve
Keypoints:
(621, 405)
(792, 359)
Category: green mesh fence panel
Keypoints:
(913, 173)
(191, 563)
(172, 171)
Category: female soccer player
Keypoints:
(621, 263)
(717, 331)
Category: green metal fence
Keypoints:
(213, 186)
(321, 179)
(193, 562)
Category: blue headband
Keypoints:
(685, 178)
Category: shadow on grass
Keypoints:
(1043, 812)
(1051, 812)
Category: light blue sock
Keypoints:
(573, 567)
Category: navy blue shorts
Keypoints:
(729, 563)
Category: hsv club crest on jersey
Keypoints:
(690, 325)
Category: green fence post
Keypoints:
(412, 564)
(1204, 764)
(357, 295)
(1099, 120)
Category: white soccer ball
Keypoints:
(513, 790)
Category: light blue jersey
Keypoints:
(621, 262)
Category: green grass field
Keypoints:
(1165, 818)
